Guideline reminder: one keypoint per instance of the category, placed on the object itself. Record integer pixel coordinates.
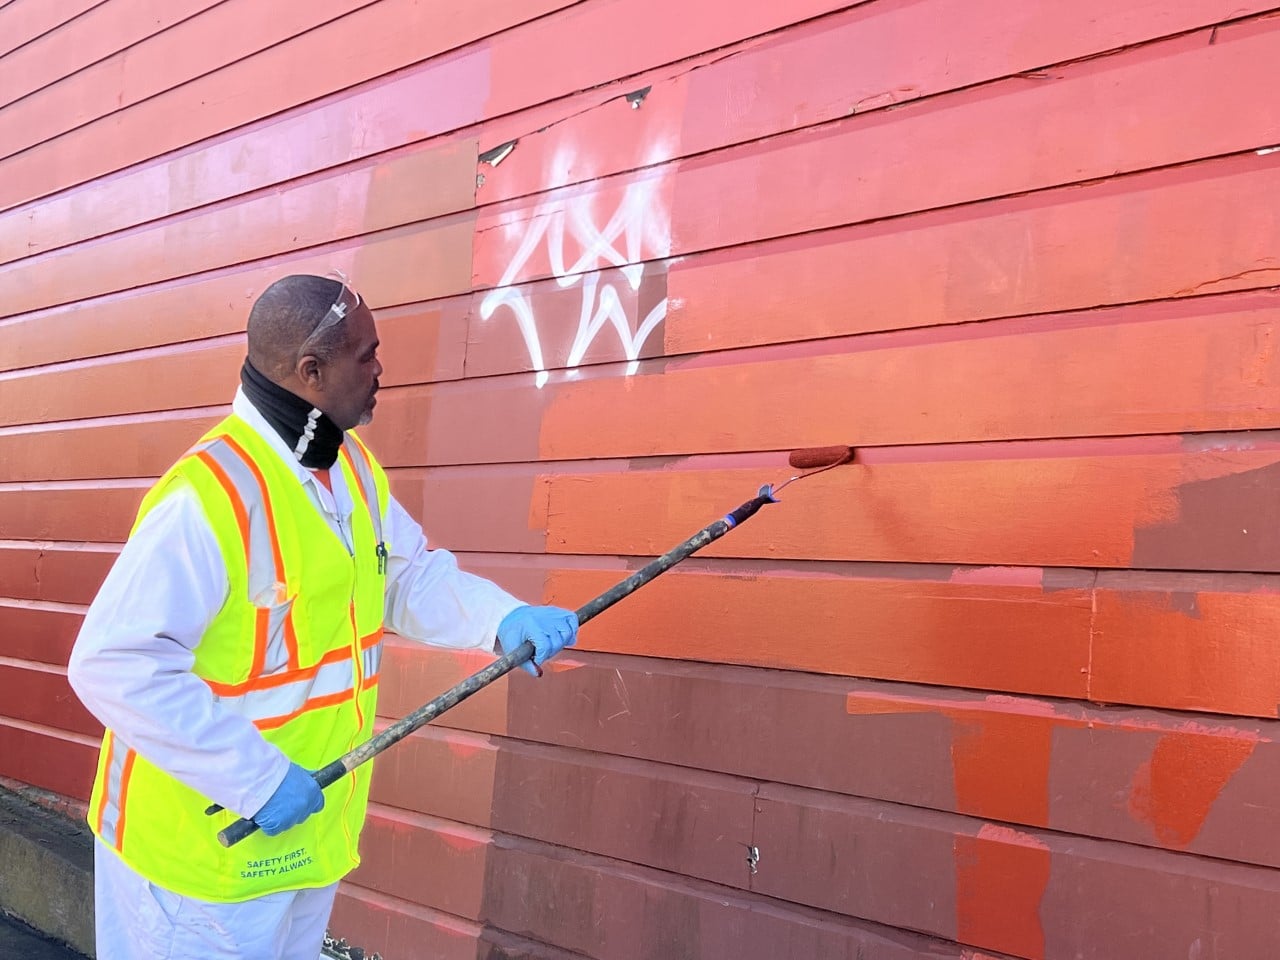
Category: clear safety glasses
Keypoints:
(343, 306)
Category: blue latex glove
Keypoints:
(297, 797)
(549, 629)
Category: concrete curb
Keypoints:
(46, 871)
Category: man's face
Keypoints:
(351, 378)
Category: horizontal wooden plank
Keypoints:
(223, 34)
(58, 572)
(386, 36)
(59, 512)
(20, 23)
(417, 341)
(45, 759)
(1179, 782)
(994, 381)
(419, 185)
(963, 627)
(731, 302)
(389, 266)
(790, 80)
(997, 381)
(39, 632)
(44, 697)
(1031, 894)
(1155, 504)
(682, 821)
(95, 35)
(1145, 503)
(1060, 250)
(1012, 630)
(1209, 642)
(603, 909)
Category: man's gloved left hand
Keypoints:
(297, 797)
(549, 629)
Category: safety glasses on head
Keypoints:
(343, 306)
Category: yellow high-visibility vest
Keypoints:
(296, 648)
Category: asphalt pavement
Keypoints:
(20, 942)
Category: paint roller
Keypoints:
(810, 461)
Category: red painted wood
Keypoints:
(60, 572)
(94, 36)
(54, 512)
(389, 35)
(225, 33)
(789, 80)
(1179, 782)
(20, 23)
(606, 909)
(1059, 250)
(40, 632)
(43, 697)
(682, 821)
(60, 763)
(414, 186)
(388, 265)
(1030, 894)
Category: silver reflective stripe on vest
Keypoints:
(111, 792)
(364, 474)
(281, 702)
(371, 660)
(266, 587)
(263, 574)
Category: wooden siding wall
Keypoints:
(1006, 688)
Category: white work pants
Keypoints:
(136, 920)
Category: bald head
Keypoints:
(285, 316)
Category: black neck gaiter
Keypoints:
(310, 434)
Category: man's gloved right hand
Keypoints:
(297, 797)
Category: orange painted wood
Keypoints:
(1090, 504)
(1143, 503)
(58, 572)
(44, 697)
(1208, 640)
(223, 34)
(1001, 629)
(605, 909)
(95, 35)
(1029, 894)
(414, 186)
(24, 21)
(682, 821)
(61, 764)
(997, 381)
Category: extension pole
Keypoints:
(827, 456)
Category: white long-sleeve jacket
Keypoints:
(131, 664)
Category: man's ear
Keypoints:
(310, 372)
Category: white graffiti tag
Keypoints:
(611, 265)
